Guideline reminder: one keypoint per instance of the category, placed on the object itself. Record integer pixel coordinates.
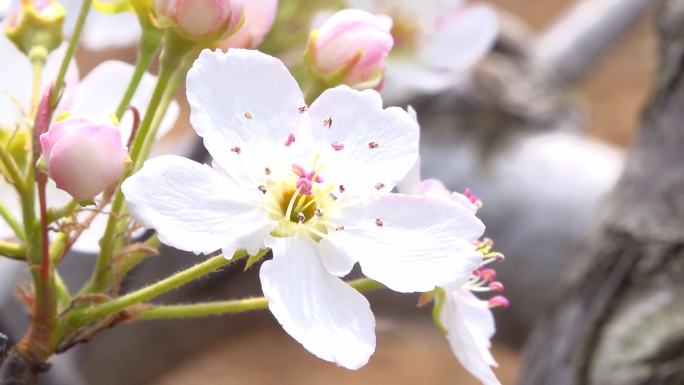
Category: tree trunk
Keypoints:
(618, 317)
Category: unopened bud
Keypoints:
(200, 20)
(84, 157)
(259, 17)
(350, 48)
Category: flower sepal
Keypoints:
(254, 259)
(338, 77)
(439, 296)
(36, 27)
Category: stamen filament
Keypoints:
(290, 205)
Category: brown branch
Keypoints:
(618, 317)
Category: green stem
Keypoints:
(96, 312)
(168, 97)
(55, 214)
(231, 306)
(149, 45)
(63, 295)
(57, 248)
(173, 59)
(37, 77)
(203, 309)
(12, 170)
(12, 222)
(12, 250)
(69, 54)
(134, 260)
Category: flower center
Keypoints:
(297, 207)
(299, 203)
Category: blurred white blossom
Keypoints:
(435, 42)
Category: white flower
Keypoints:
(97, 94)
(313, 185)
(436, 41)
(468, 321)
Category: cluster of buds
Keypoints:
(84, 156)
(200, 20)
(350, 48)
(36, 23)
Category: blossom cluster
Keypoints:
(324, 179)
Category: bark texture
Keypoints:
(619, 313)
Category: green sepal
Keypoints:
(37, 29)
(253, 259)
(440, 299)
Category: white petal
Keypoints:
(464, 38)
(411, 184)
(5, 6)
(330, 318)
(102, 31)
(336, 260)
(435, 189)
(97, 34)
(101, 90)
(380, 145)
(248, 100)
(16, 81)
(192, 207)
(470, 325)
(409, 243)
(404, 79)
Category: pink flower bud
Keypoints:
(200, 19)
(259, 17)
(83, 157)
(350, 47)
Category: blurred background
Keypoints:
(540, 146)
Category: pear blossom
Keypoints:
(350, 48)
(259, 18)
(436, 42)
(467, 320)
(313, 184)
(83, 156)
